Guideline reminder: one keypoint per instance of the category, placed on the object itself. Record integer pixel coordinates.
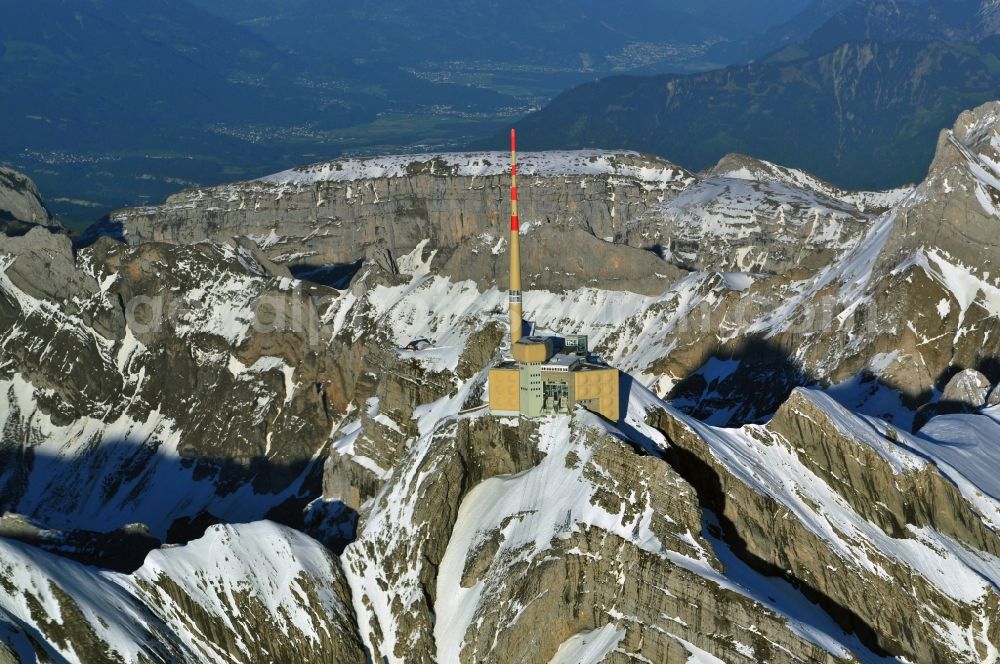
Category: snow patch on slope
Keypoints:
(966, 449)
(549, 502)
(590, 647)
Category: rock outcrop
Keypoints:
(21, 205)
(749, 215)
(911, 302)
(323, 219)
(500, 542)
(954, 211)
(557, 260)
(744, 167)
(103, 368)
(994, 398)
(968, 387)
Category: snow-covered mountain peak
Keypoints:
(976, 125)
(956, 210)
(748, 168)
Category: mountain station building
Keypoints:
(547, 375)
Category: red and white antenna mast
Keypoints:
(515, 247)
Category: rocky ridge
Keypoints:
(339, 213)
(21, 205)
(213, 601)
(20, 199)
(333, 213)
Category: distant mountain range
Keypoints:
(115, 102)
(559, 34)
(895, 20)
(825, 24)
(858, 102)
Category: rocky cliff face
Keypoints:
(164, 404)
(884, 514)
(527, 544)
(910, 303)
(330, 213)
(21, 206)
(321, 219)
(740, 225)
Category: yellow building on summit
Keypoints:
(547, 375)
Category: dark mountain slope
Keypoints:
(106, 69)
(897, 20)
(825, 24)
(554, 34)
(793, 31)
(864, 115)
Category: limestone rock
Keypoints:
(132, 336)
(44, 266)
(994, 398)
(558, 260)
(737, 225)
(7, 656)
(521, 538)
(332, 213)
(20, 202)
(320, 220)
(190, 383)
(965, 392)
(968, 387)
(745, 167)
(381, 257)
(955, 209)
(911, 299)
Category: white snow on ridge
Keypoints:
(267, 560)
(109, 610)
(551, 501)
(483, 164)
(733, 207)
(860, 430)
(775, 470)
(697, 655)
(863, 201)
(589, 647)
(271, 564)
(867, 200)
(448, 312)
